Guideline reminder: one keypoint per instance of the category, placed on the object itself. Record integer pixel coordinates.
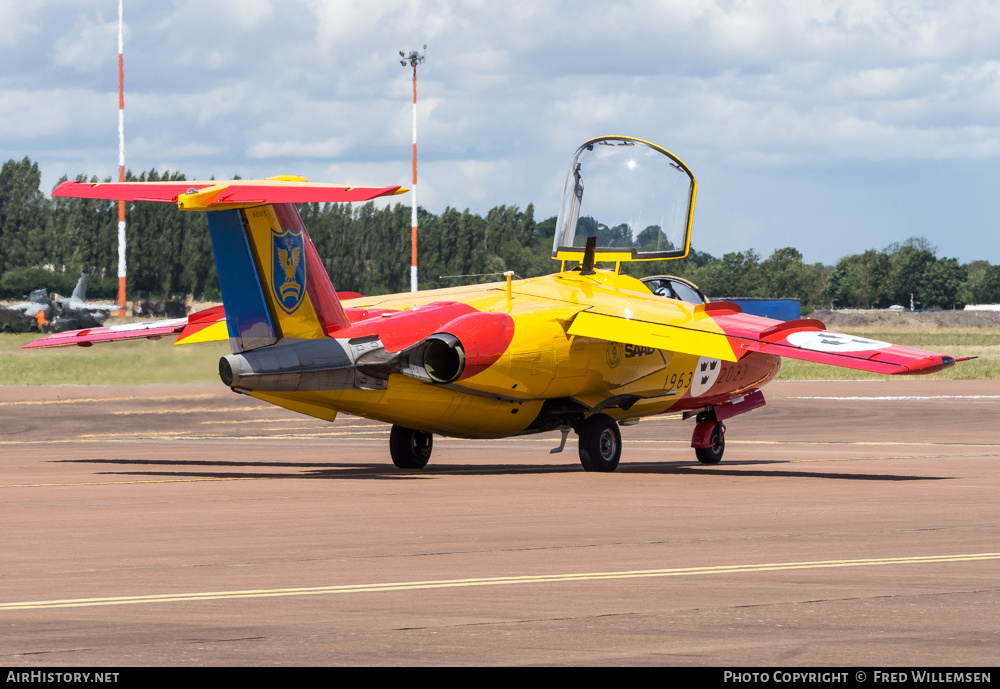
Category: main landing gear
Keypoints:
(600, 443)
(410, 449)
(709, 438)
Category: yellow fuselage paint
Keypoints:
(543, 361)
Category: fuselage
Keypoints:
(540, 367)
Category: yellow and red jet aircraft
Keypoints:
(587, 349)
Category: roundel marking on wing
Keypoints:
(706, 372)
(826, 341)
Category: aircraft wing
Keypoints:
(22, 306)
(719, 330)
(202, 326)
(658, 323)
(808, 339)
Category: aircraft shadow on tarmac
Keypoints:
(355, 471)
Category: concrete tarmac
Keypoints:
(850, 523)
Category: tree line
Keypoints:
(47, 242)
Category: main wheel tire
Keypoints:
(600, 443)
(713, 453)
(410, 449)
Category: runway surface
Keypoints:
(850, 523)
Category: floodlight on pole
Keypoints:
(121, 164)
(413, 58)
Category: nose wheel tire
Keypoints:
(600, 443)
(717, 445)
(410, 449)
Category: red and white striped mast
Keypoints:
(414, 59)
(121, 164)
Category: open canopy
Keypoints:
(636, 198)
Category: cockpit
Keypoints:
(675, 288)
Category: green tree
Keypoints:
(82, 234)
(859, 281)
(982, 286)
(942, 284)
(736, 274)
(908, 270)
(364, 248)
(23, 215)
(784, 275)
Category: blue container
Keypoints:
(778, 309)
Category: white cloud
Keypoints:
(18, 19)
(88, 46)
(49, 115)
(331, 148)
(798, 90)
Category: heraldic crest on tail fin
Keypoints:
(289, 270)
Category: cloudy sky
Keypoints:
(832, 126)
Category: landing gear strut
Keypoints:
(410, 449)
(600, 443)
(709, 439)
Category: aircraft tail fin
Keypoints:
(274, 284)
(80, 292)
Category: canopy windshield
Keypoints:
(634, 196)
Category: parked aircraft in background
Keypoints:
(41, 298)
(588, 349)
(38, 301)
(48, 310)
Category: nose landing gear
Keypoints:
(709, 439)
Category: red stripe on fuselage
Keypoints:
(734, 378)
(400, 329)
(485, 336)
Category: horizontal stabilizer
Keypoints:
(212, 195)
(201, 326)
(152, 330)
(207, 325)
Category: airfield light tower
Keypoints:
(414, 59)
(121, 165)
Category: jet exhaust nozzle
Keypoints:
(226, 371)
(442, 357)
